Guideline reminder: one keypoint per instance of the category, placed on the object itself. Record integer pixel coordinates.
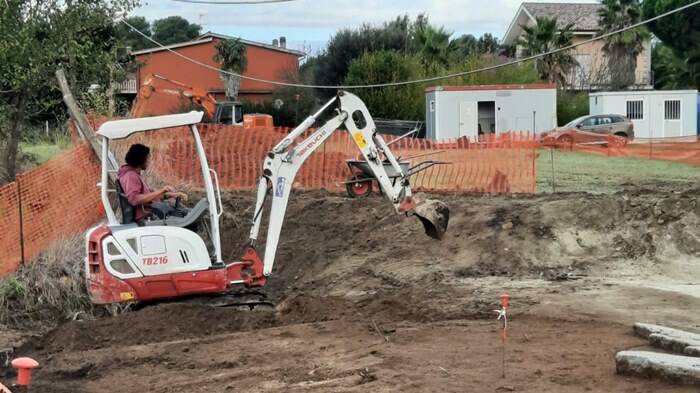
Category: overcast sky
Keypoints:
(308, 24)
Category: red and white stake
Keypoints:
(503, 318)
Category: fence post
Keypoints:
(551, 155)
(21, 224)
(324, 182)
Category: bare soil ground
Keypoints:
(366, 302)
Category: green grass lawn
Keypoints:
(581, 172)
(42, 150)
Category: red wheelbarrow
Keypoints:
(360, 182)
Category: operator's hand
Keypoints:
(180, 195)
(166, 190)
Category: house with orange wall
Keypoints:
(265, 61)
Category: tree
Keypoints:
(465, 45)
(39, 37)
(676, 63)
(488, 44)
(622, 49)
(128, 38)
(400, 102)
(175, 29)
(434, 45)
(288, 106)
(542, 37)
(680, 31)
(231, 55)
(674, 70)
(331, 67)
(511, 75)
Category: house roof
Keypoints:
(583, 17)
(532, 86)
(643, 93)
(209, 37)
(254, 43)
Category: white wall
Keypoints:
(514, 110)
(653, 125)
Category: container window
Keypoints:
(672, 110)
(635, 109)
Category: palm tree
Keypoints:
(230, 54)
(434, 45)
(676, 70)
(622, 49)
(543, 37)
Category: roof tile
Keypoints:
(583, 16)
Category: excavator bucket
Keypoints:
(434, 215)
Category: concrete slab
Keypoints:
(672, 368)
(675, 340)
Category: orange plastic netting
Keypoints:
(60, 197)
(56, 199)
(503, 163)
(678, 149)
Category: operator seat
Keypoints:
(129, 212)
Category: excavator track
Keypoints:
(232, 299)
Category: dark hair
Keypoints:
(137, 155)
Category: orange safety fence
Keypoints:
(684, 149)
(47, 203)
(60, 197)
(10, 242)
(503, 163)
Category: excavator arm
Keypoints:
(160, 96)
(286, 158)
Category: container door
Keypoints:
(468, 118)
(672, 118)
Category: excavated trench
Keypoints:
(354, 262)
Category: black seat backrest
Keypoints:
(128, 211)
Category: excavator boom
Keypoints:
(161, 96)
(286, 158)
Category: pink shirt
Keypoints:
(134, 188)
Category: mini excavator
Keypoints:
(161, 259)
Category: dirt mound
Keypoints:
(176, 321)
(329, 239)
(345, 258)
(351, 276)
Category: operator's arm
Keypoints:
(132, 185)
(153, 196)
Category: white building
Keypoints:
(655, 113)
(456, 111)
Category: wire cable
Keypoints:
(416, 81)
(234, 2)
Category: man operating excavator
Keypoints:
(146, 203)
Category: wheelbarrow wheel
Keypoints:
(358, 188)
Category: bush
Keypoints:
(49, 290)
(509, 75)
(571, 105)
(396, 102)
(287, 114)
(408, 102)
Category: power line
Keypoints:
(423, 80)
(233, 2)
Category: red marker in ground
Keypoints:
(24, 368)
(503, 317)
